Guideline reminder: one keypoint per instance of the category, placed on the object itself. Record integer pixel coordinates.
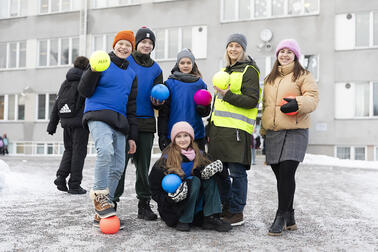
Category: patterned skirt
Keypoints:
(285, 145)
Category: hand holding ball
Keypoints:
(99, 61)
(170, 183)
(160, 92)
(202, 97)
(283, 102)
(221, 80)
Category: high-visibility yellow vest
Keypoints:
(230, 116)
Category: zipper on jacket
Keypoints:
(274, 118)
(237, 135)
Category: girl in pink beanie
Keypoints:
(198, 189)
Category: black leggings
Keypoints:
(285, 175)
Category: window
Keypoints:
(12, 55)
(311, 63)
(57, 52)
(111, 3)
(376, 153)
(234, 10)
(12, 107)
(103, 42)
(13, 8)
(45, 103)
(170, 41)
(351, 152)
(52, 6)
(356, 30)
(362, 97)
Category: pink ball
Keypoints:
(202, 97)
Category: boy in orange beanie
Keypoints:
(110, 116)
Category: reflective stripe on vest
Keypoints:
(230, 116)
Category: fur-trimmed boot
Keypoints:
(144, 210)
(104, 207)
(279, 223)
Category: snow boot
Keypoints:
(144, 210)
(236, 219)
(61, 184)
(279, 223)
(213, 222)
(104, 207)
(77, 190)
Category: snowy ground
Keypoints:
(336, 210)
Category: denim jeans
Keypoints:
(234, 193)
(110, 162)
(253, 155)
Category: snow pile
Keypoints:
(4, 174)
(311, 159)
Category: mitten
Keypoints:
(51, 128)
(203, 111)
(163, 142)
(181, 192)
(290, 106)
(211, 169)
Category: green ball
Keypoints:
(221, 80)
(99, 61)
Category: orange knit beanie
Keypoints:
(125, 35)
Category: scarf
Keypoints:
(190, 154)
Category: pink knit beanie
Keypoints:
(290, 44)
(181, 127)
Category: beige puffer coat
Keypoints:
(304, 89)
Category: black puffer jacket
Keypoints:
(117, 121)
(72, 77)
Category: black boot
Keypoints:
(213, 222)
(77, 190)
(61, 184)
(290, 225)
(279, 223)
(144, 210)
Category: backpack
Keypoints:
(67, 100)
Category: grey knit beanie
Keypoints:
(185, 53)
(238, 38)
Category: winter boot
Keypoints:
(279, 223)
(225, 212)
(77, 190)
(290, 225)
(184, 227)
(213, 222)
(235, 219)
(61, 184)
(97, 219)
(144, 210)
(104, 207)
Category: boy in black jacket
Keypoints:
(69, 110)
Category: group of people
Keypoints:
(116, 108)
(4, 144)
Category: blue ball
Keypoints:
(170, 183)
(160, 92)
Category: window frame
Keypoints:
(268, 8)
(19, 10)
(6, 108)
(47, 106)
(7, 55)
(352, 151)
(49, 11)
(48, 46)
(108, 5)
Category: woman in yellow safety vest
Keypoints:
(231, 125)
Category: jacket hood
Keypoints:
(74, 74)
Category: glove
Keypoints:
(211, 169)
(203, 111)
(51, 129)
(163, 142)
(290, 106)
(181, 192)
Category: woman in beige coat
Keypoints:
(285, 126)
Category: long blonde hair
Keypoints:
(172, 154)
(242, 57)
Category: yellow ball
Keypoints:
(221, 80)
(99, 61)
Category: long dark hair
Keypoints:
(297, 71)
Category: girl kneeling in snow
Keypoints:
(197, 194)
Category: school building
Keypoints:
(339, 40)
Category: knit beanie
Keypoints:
(185, 53)
(238, 38)
(181, 127)
(125, 35)
(290, 44)
(144, 33)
